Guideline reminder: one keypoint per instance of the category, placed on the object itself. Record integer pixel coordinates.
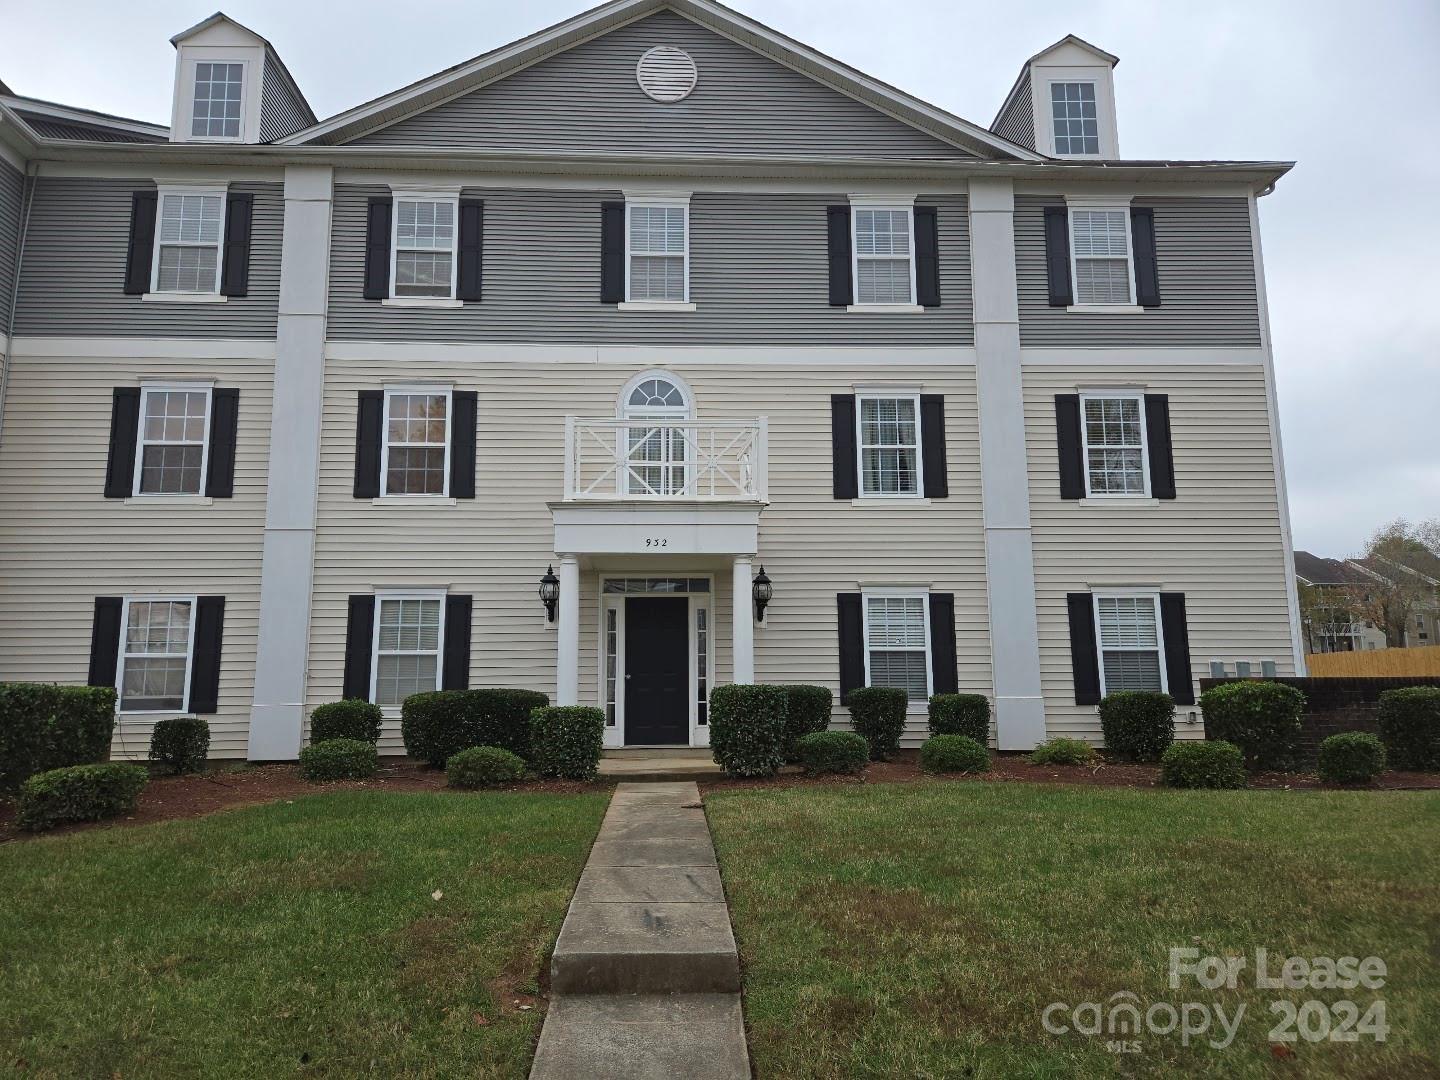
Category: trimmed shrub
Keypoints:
(1410, 723)
(954, 753)
(44, 727)
(1062, 751)
(1212, 764)
(1352, 757)
(807, 711)
(1261, 718)
(353, 718)
(961, 714)
(878, 714)
(748, 728)
(80, 793)
(181, 744)
(833, 752)
(567, 741)
(482, 767)
(1138, 724)
(440, 723)
(338, 759)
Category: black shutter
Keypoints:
(141, 251)
(927, 256)
(1071, 450)
(852, 644)
(842, 445)
(465, 407)
(124, 430)
(837, 220)
(377, 247)
(105, 640)
(359, 637)
(612, 252)
(1084, 660)
(1157, 435)
(1147, 270)
(944, 673)
(205, 663)
(455, 671)
(1057, 255)
(1177, 648)
(936, 481)
(470, 253)
(235, 274)
(220, 467)
(369, 425)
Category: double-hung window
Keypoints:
(1101, 255)
(154, 668)
(897, 642)
(1073, 112)
(424, 246)
(1113, 431)
(1128, 630)
(884, 254)
(409, 632)
(174, 439)
(416, 452)
(188, 241)
(657, 251)
(889, 446)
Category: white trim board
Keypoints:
(1140, 357)
(665, 357)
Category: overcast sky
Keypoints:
(1350, 235)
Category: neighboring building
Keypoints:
(1327, 610)
(297, 409)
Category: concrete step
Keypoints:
(643, 1037)
(658, 765)
(646, 948)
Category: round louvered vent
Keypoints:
(666, 73)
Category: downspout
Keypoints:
(26, 199)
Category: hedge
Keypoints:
(1138, 724)
(80, 793)
(181, 744)
(1063, 751)
(567, 740)
(338, 759)
(807, 711)
(1211, 764)
(439, 724)
(484, 766)
(748, 728)
(1261, 718)
(44, 727)
(954, 753)
(878, 714)
(353, 718)
(1410, 723)
(961, 714)
(1352, 757)
(833, 752)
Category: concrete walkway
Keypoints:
(645, 980)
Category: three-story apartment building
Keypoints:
(625, 312)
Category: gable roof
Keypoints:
(472, 74)
(49, 120)
(1078, 42)
(1315, 570)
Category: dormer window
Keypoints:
(217, 102)
(1073, 112)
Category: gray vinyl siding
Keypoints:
(280, 113)
(758, 275)
(12, 192)
(1017, 123)
(587, 98)
(75, 268)
(1207, 281)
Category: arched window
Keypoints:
(657, 456)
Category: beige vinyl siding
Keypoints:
(65, 544)
(496, 547)
(1218, 542)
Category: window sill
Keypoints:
(414, 500)
(183, 298)
(444, 303)
(885, 309)
(655, 305)
(882, 501)
(169, 500)
(1118, 500)
(1106, 309)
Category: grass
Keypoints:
(919, 930)
(290, 939)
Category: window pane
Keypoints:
(153, 684)
(1102, 281)
(1116, 472)
(187, 269)
(1127, 622)
(657, 277)
(896, 622)
(1099, 232)
(657, 230)
(217, 101)
(902, 670)
(170, 470)
(882, 232)
(657, 393)
(409, 625)
(1132, 671)
(889, 472)
(427, 225)
(422, 273)
(397, 677)
(887, 421)
(1072, 106)
(882, 281)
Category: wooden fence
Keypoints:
(1385, 662)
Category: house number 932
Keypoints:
(657, 541)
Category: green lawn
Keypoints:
(920, 930)
(290, 939)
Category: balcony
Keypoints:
(666, 461)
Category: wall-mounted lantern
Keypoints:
(761, 590)
(550, 593)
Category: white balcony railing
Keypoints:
(658, 460)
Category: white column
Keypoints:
(742, 622)
(567, 647)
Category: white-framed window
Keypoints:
(155, 654)
(189, 235)
(657, 458)
(409, 637)
(657, 251)
(173, 448)
(1075, 121)
(1131, 644)
(883, 254)
(415, 454)
(1101, 262)
(1112, 432)
(423, 248)
(218, 102)
(897, 641)
(888, 443)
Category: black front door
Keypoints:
(657, 671)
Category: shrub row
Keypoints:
(45, 727)
(567, 740)
(79, 793)
(439, 724)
